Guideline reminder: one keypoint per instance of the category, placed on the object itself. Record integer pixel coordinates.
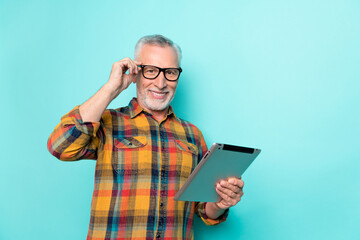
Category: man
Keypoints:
(144, 152)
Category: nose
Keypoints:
(160, 81)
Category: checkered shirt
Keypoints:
(140, 165)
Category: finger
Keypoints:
(137, 63)
(223, 196)
(131, 69)
(124, 66)
(236, 182)
(117, 70)
(228, 192)
(127, 64)
(228, 185)
(225, 199)
(230, 198)
(235, 192)
(133, 65)
(135, 68)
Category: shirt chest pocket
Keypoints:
(186, 158)
(130, 155)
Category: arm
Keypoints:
(73, 139)
(77, 136)
(92, 109)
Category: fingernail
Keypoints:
(231, 181)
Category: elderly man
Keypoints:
(144, 151)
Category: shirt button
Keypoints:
(158, 235)
(161, 204)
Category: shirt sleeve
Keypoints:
(201, 206)
(200, 211)
(74, 139)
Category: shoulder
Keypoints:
(110, 114)
(186, 123)
(190, 128)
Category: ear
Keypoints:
(135, 79)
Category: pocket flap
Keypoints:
(130, 142)
(186, 146)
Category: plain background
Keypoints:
(279, 75)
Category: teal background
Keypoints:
(279, 75)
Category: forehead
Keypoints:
(163, 57)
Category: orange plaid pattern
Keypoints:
(141, 164)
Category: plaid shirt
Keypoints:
(141, 164)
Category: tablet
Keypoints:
(220, 162)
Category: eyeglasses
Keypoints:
(152, 72)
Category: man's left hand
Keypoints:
(230, 191)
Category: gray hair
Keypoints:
(158, 40)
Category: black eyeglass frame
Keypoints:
(160, 70)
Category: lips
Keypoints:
(158, 95)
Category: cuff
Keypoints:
(201, 212)
(74, 118)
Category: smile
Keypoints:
(158, 95)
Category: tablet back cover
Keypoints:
(221, 161)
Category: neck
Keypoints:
(158, 116)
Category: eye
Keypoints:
(171, 71)
(150, 70)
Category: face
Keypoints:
(155, 95)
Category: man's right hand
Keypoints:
(119, 80)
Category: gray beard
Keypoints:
(155, 107)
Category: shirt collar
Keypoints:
(135, 109)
